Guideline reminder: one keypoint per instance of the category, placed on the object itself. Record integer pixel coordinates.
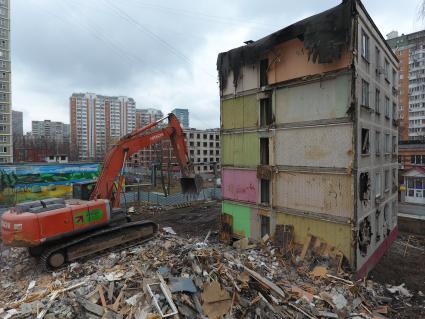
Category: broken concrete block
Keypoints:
(241, 244)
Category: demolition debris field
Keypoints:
(197, 277)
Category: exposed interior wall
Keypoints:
(247, 80)
(239, 112)
(241, 218)
(240, 149)
(327, 99)
(319, 193)
(318, 146)
(290, 60)
(239, 184)
(335, 234)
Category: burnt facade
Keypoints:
(309, 134)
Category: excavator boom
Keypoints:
(110, 179)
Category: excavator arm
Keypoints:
(111, 177)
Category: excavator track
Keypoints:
(95, 242)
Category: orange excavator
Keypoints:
(60, 231)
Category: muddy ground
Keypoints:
(396, 267)
(192, 221)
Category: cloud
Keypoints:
(161, 53)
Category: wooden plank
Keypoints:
(305, 247)
(118, 300)
(267, 283)
(102, 296)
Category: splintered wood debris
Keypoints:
(173, 277)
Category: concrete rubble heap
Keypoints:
(193, 278)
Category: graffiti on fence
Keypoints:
(22, 182)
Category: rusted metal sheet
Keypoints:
(239, 184)
(327, 99)
(264, 172)
(338, 235)
(283, 237)
(330, 194)
(226, 228)
(247, 80)
(320, 146)
(239, 112)
(240, 149)
(294, 62)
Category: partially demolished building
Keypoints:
(309, 134)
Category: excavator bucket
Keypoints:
(191, 184)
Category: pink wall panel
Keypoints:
(238, 184)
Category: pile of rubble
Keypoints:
(192, 278)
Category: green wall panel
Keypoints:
(239, 112)
(240, 149)
(241, 218)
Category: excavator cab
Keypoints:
(191, 185)
(83, 190)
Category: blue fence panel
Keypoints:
(173, 199)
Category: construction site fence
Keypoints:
(172, 199)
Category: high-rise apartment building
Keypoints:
(50, 129)
(17, 123)
(309, 135)
(183, 116)
(146, 116)
(410, 50)
(97, 121)
(6, 152)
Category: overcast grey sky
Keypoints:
(161, 53)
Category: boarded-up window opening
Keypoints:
(394, 179)
(378, 190)
(365, 93)
(377, 101)
(264, 151)
(387, 180)
(377, 143)
(365, 141)
(265, 225)
(377, 226)
(364, 236)
(266, 114)
(264, 64)
(364, 186)
(394, 150)
(265, 191)
(387, 224)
